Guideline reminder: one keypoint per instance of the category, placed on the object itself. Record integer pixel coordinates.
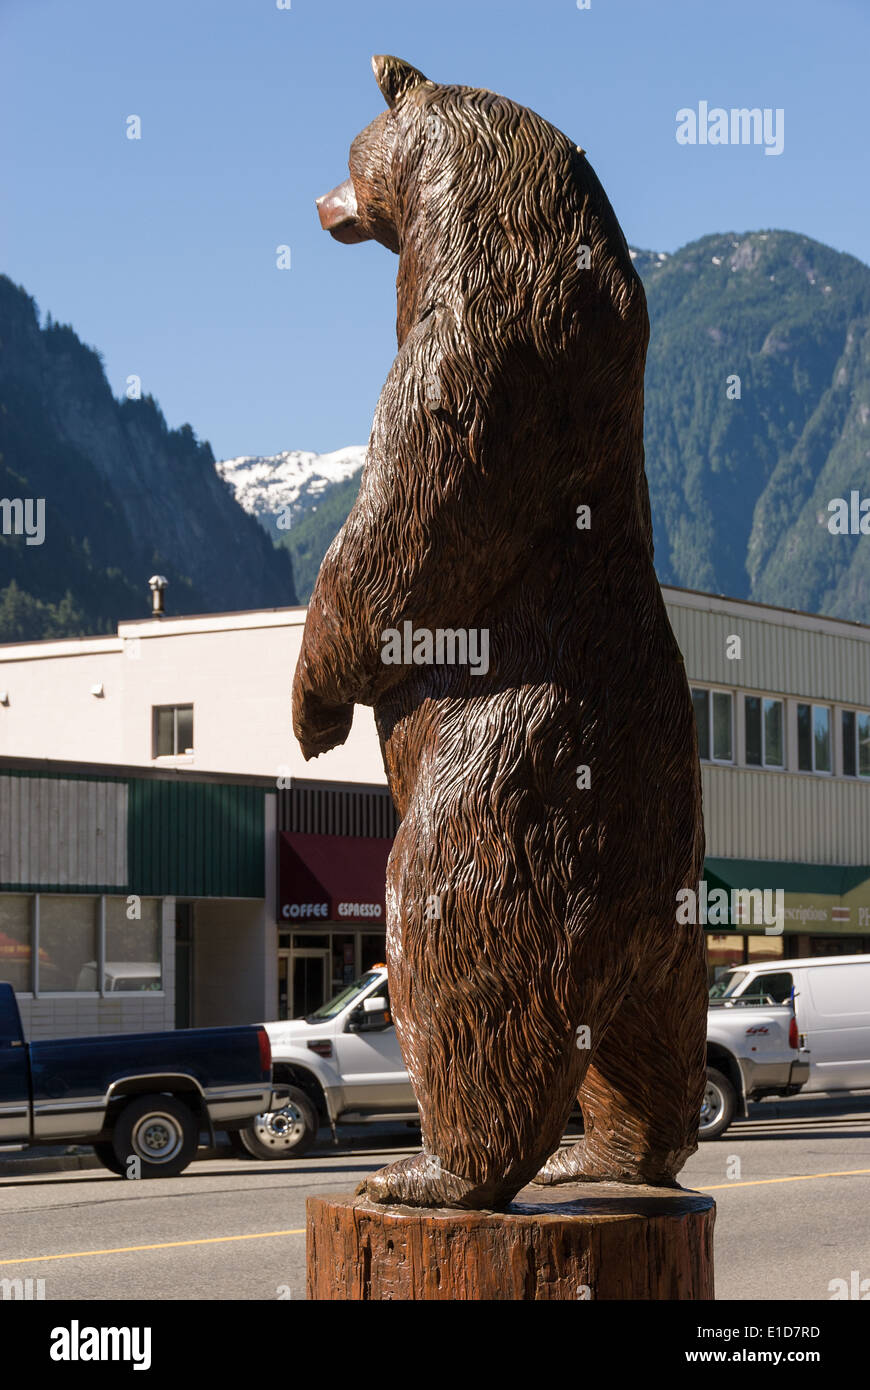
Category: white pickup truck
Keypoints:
(754, 1050)
(823, 1002)
(343, 1064)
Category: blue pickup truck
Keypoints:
(141, 1099)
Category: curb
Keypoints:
(63, 1163)
(25, 1167)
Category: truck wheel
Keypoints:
(106, 1154)
(718, 1105)
(158, 1130)
(235, 1143)
(287, 1133)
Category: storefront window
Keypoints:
(133, 955)
(837, 945)
(68, 937)
(374, 949)
(343, 960)
(764, 948)
(16, 941)
(723, 952)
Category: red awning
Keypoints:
(332, 878)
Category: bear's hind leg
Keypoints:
(642, 1092)
(495, 1071)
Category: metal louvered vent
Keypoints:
(334, 811)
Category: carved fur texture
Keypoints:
(521, 906)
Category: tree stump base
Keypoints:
(575, 1241)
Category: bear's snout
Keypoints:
(339, 216)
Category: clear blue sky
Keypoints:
(161, 252)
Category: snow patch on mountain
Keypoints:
(290, 484)
(647, 261)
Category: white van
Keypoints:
(832, 1008)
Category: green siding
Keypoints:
(196, 839)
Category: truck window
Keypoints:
(724, 988)
(774, 988)
(342, 999)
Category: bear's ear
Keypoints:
(395, 77)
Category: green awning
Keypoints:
(829, 880)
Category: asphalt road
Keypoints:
(792, 1186)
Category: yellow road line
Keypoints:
(166, 1245)
(763, 1182)
(300, 1231)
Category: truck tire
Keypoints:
(718, 1107)
(106, 1154)
(158, 1130)
(287, 1133)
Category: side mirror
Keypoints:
(375, 1004)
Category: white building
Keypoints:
(211, 694)
(158, 765)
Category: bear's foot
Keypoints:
(577, 1164)
(420, 1181)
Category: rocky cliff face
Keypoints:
(124, 497)
(757, 416)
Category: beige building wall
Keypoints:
(235, 669)
(793, 653)
(754, 813)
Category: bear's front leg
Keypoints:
(317, 724)
(420, 1181)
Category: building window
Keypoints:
(765, 742)
(133, 954)
(73, 946)
(713, 718)
(814, 738)
(856, 743)
(173, 730)
(16, 941)
(68, 943)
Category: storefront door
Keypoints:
(309, 981)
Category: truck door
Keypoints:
(14, 1072)
(370, 1061)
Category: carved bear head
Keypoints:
(491, 209)
(363, 208)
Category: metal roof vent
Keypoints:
(157, 584)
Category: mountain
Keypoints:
(124, 496)
(739, 486)
(301, 499)
(279, 490)
(757, 416)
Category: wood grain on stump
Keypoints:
(578, 1241)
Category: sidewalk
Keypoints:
(69, 1157)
